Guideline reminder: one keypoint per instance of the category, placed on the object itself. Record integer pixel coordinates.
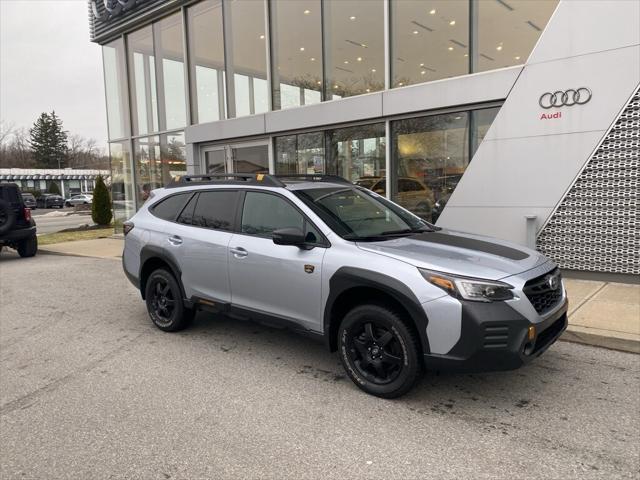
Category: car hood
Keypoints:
(459, 253)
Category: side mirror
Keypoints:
(289, 236)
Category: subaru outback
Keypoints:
(393, 294)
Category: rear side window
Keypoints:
(186, 216)
(169, 208)
(215, 210)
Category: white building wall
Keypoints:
(526, 164)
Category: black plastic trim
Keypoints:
(151, 252)
(270, 320)
(471, 244)
(347, 278)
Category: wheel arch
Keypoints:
(350, 287)
(151, 259)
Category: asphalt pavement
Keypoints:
(54, 220)
(90, 389)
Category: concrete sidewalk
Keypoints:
(603, 314)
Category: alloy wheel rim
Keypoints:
(376, 352)
(162, 302)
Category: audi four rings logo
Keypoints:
(567, 98)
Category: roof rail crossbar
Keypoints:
(217, 178)
(314, 178)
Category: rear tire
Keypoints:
(164, 302)
(28, 247)
(379, 350)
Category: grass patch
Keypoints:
(59, 237)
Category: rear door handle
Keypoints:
(239, 252)
(175, 240)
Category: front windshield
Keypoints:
(357, 214)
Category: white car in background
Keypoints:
(84, 199)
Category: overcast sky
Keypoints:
(47, 63)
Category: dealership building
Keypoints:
(518, 119)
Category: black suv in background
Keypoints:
(49, 200)
(17, 228)
(29, 201)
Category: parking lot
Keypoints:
(89, 388)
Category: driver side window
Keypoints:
(263, 213)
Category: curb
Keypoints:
(604, 341)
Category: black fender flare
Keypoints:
(150, 252)
(346, 278)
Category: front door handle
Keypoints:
(239, 252)
(175, 240)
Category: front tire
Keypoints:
(379, 351)
(28, 247)
(164, 302)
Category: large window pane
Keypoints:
(358, 153)
(481, 120)
(509, 29)
(143, 81)
(206, 55)
(173, 155)
(300, 154)
(121, 183)
(296, 36)
(115, 82)
(148, 166)
(429, 40)
(171, 64)
(354, 47)
(247, 44)
(431, 154)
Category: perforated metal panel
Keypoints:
(597, 225)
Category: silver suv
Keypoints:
(387, 290)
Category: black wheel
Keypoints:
(164, 302)
(28, 247)
(7, 217)
(379, 351)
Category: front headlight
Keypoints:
(474, 289)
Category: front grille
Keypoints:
(541, 292)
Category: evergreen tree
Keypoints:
(48, 141)
(101, 206)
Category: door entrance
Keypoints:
(250, 157)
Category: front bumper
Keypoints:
(494, 336)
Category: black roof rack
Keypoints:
(250, 178)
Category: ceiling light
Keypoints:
(313, 59)
(335, 86)
(359, 59)
(433, 12)
(302, 49)
(450, 48)
(319, 82)
(415, 32)
(261, 37)
(401, 84)
(422, 64)
(499, 47)
(423, 72)
(517, 58)
(373, 70)
(368, 90)
(458, 118)
(452, 22)
(307, 12)
(466, 54)
(346, 62)
(352, 18)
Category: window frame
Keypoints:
(322, 242)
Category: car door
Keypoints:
(279, 280)
(199, 241)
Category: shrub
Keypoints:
(54, 188)
(101, 206)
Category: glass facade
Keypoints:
(248, 56)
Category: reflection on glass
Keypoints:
(508, 30)
(431, 154)
(206, 49)
(429, 40)
(171, 63)
(215, 161)
(148, 166)
(354, 45)
(300, 154)
(121, 183)
(143, 81)
(481, 121)
(114, 83)
(358, 153)
(297, 52)
(173, 155)
(247, 43)
(250, 159)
